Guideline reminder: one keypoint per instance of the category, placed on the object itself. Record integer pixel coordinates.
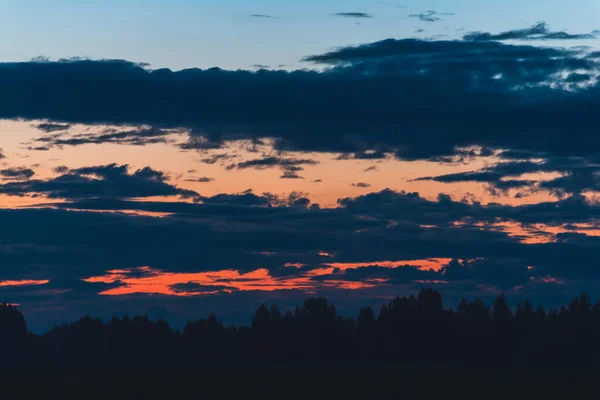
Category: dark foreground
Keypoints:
(305, 383)
(413, 349)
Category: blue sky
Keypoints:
(181, 33)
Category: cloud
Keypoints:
(202, 143)
(443, 101)
(203, 179)
(61, 169)
(248, 232)
(106, 181)
(361, 185)
(388, 97)
(364, 155)
(17, 173)
(353, 15)
(579, 174)
(289, 174)
(534, 109)
(272, 162)
(134, 137)
(215, 158)
(50, 127)
(430, 16)
(539, 31)
(289, 166)
(265, 16)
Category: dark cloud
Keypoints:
(135, 137)
(353, 15)
(401, 275)
(246, 198)
(247, 231)
(445, 101)
(272, 162)
(61, 169)
(17, 173)
(50, 127)
(539, 31)
(364, 155)
(361, 185)
(579, 174)
(289, 166)
(371, 168)
(202, 143)
(110, 181)
(215, 158)
(503, 273)
(430, 16)
(388, 97)
(289, 174)
(203, 179)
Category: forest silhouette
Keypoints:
(411, 348)
(407, 331)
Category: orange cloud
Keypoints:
(25, 282)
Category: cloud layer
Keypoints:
(389, 97)
(527, 115)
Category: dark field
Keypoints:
(304, 383)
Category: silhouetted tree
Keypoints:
(408, 330)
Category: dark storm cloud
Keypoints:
(430, 16)
(353, 15)
(540, 31)
(391, 96)
(110, 181)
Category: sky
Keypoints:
(176, 158)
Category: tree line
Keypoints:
(415, 330)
